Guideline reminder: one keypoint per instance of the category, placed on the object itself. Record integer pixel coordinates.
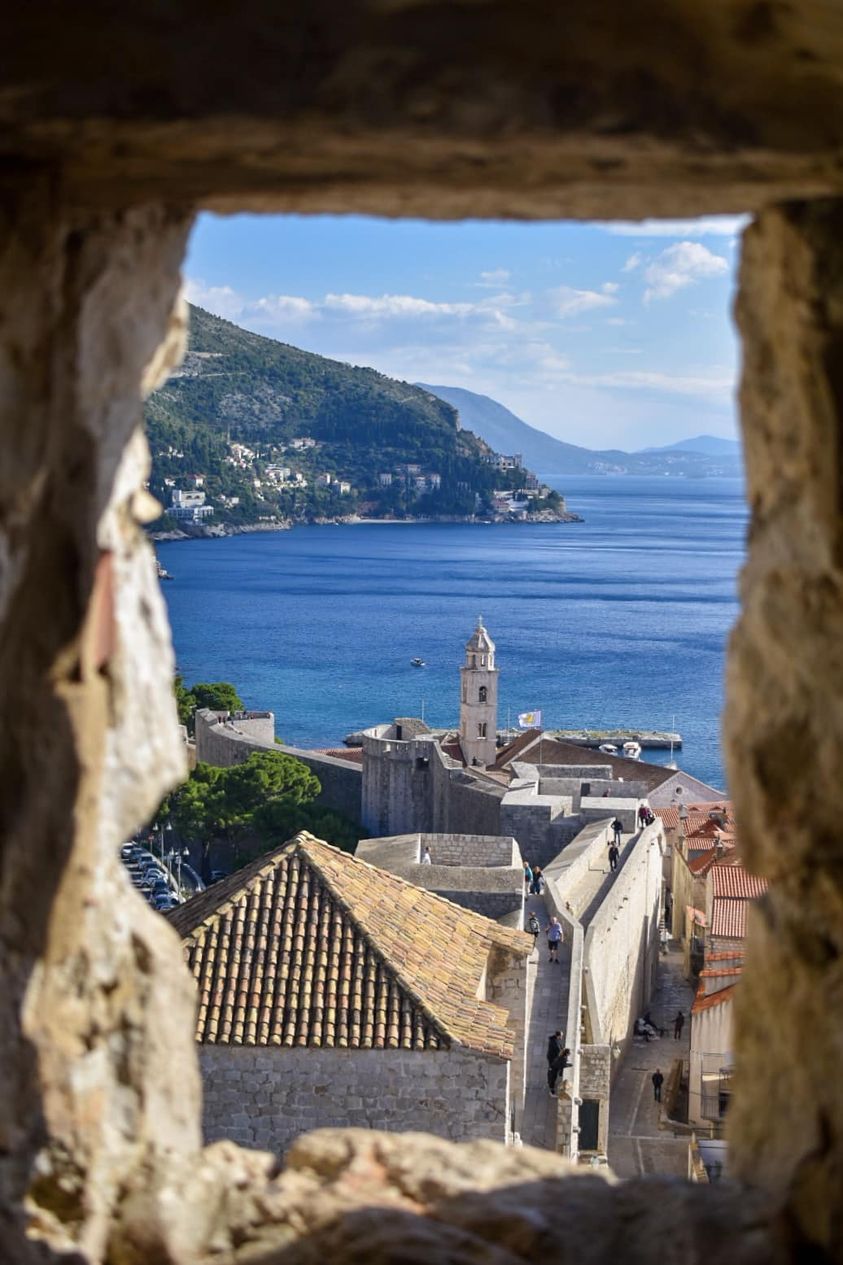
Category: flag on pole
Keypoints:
(529, 720)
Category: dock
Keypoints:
(648, 739)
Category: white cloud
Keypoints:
(284, 307)
(715, 383)
(705, 226)
(391, 305)
(615, 320)
(570, 302)
(633, 262)
(221, 300)
(680, 265)
(494, 277)
(610, 287)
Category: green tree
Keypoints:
(220, 696)
(259, 798)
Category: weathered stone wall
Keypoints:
(474, 850)
(225, 745)
(594, 1086)
(264, 1098)
(622, 943)
(506, 985)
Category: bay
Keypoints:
(620, 621)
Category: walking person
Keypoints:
(642, 815)
(537, 885)
(613, 857)
(658, 1081)
(528, 876)
(678, 1025)
(426, 857)
(617, 827)
(554, 939)
(533, 928)
(554, 1046)
(555, 1069)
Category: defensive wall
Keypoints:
(491, 882)
(411, 785)
(226, 742)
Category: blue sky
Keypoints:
(605, 335)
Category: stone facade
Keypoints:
(264, 1098)
(594, 1090)
(225, 744)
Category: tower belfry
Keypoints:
(479, 699)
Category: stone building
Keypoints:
(119, 124)
(331, 992)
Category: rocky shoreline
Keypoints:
(201, 531)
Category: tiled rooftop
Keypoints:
(728, 918)
(705, 1001)
(354, 755)
(736, 883)
(309, 946)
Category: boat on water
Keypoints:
(608, 748)
(418, 663)
(632, 750)
(163, 573)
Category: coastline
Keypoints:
(220, 530)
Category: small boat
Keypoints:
(163, 573)
(632, 750)
(418, 663)
(608, 748)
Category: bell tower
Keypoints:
(479, 699)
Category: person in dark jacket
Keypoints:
(554, 1047)
(613, 857)
(555, 1070)
(658, 1081)
(617, 828)
(678, 1025)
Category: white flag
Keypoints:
(529, 720)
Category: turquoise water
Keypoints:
(619, 621)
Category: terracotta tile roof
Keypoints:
(729, 955)
(451, 747)
(728, 918)
(699, 863)
(716, 972)
(734, 882)
(670, 814)
(507, 754)
(310, 946)
(704, 1001)
(353, 754)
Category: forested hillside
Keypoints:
(268, 431)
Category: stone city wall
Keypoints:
(594, 1087)
(493, 905)
(225, 745)
(584, 853)
(506, 985)
(622, 943)
(495, 851)
(264, 1098)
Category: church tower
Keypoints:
(479, 699)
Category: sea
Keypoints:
(620, 621)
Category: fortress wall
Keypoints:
(587, 851)
(494, 905)
(472, 850)
(622, 942)
(224, 746)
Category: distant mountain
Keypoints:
(709, 445)
(553, 458)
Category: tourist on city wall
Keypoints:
(658, 1081)
(617, 827)
(537, 885)
(554, 1046)
(533, 928)
(555, 1070)
(678, 1025)
(426, 857)
(642, 815)
(528, 875)
(613, 857)
(554, 939)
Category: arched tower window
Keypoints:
(483, 694)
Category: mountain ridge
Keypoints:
(555, 458)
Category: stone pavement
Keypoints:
(637, 1145)
(550, 1001)
(549, 1012)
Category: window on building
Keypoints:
(481, 729)
(483, 693)
(482, 661)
